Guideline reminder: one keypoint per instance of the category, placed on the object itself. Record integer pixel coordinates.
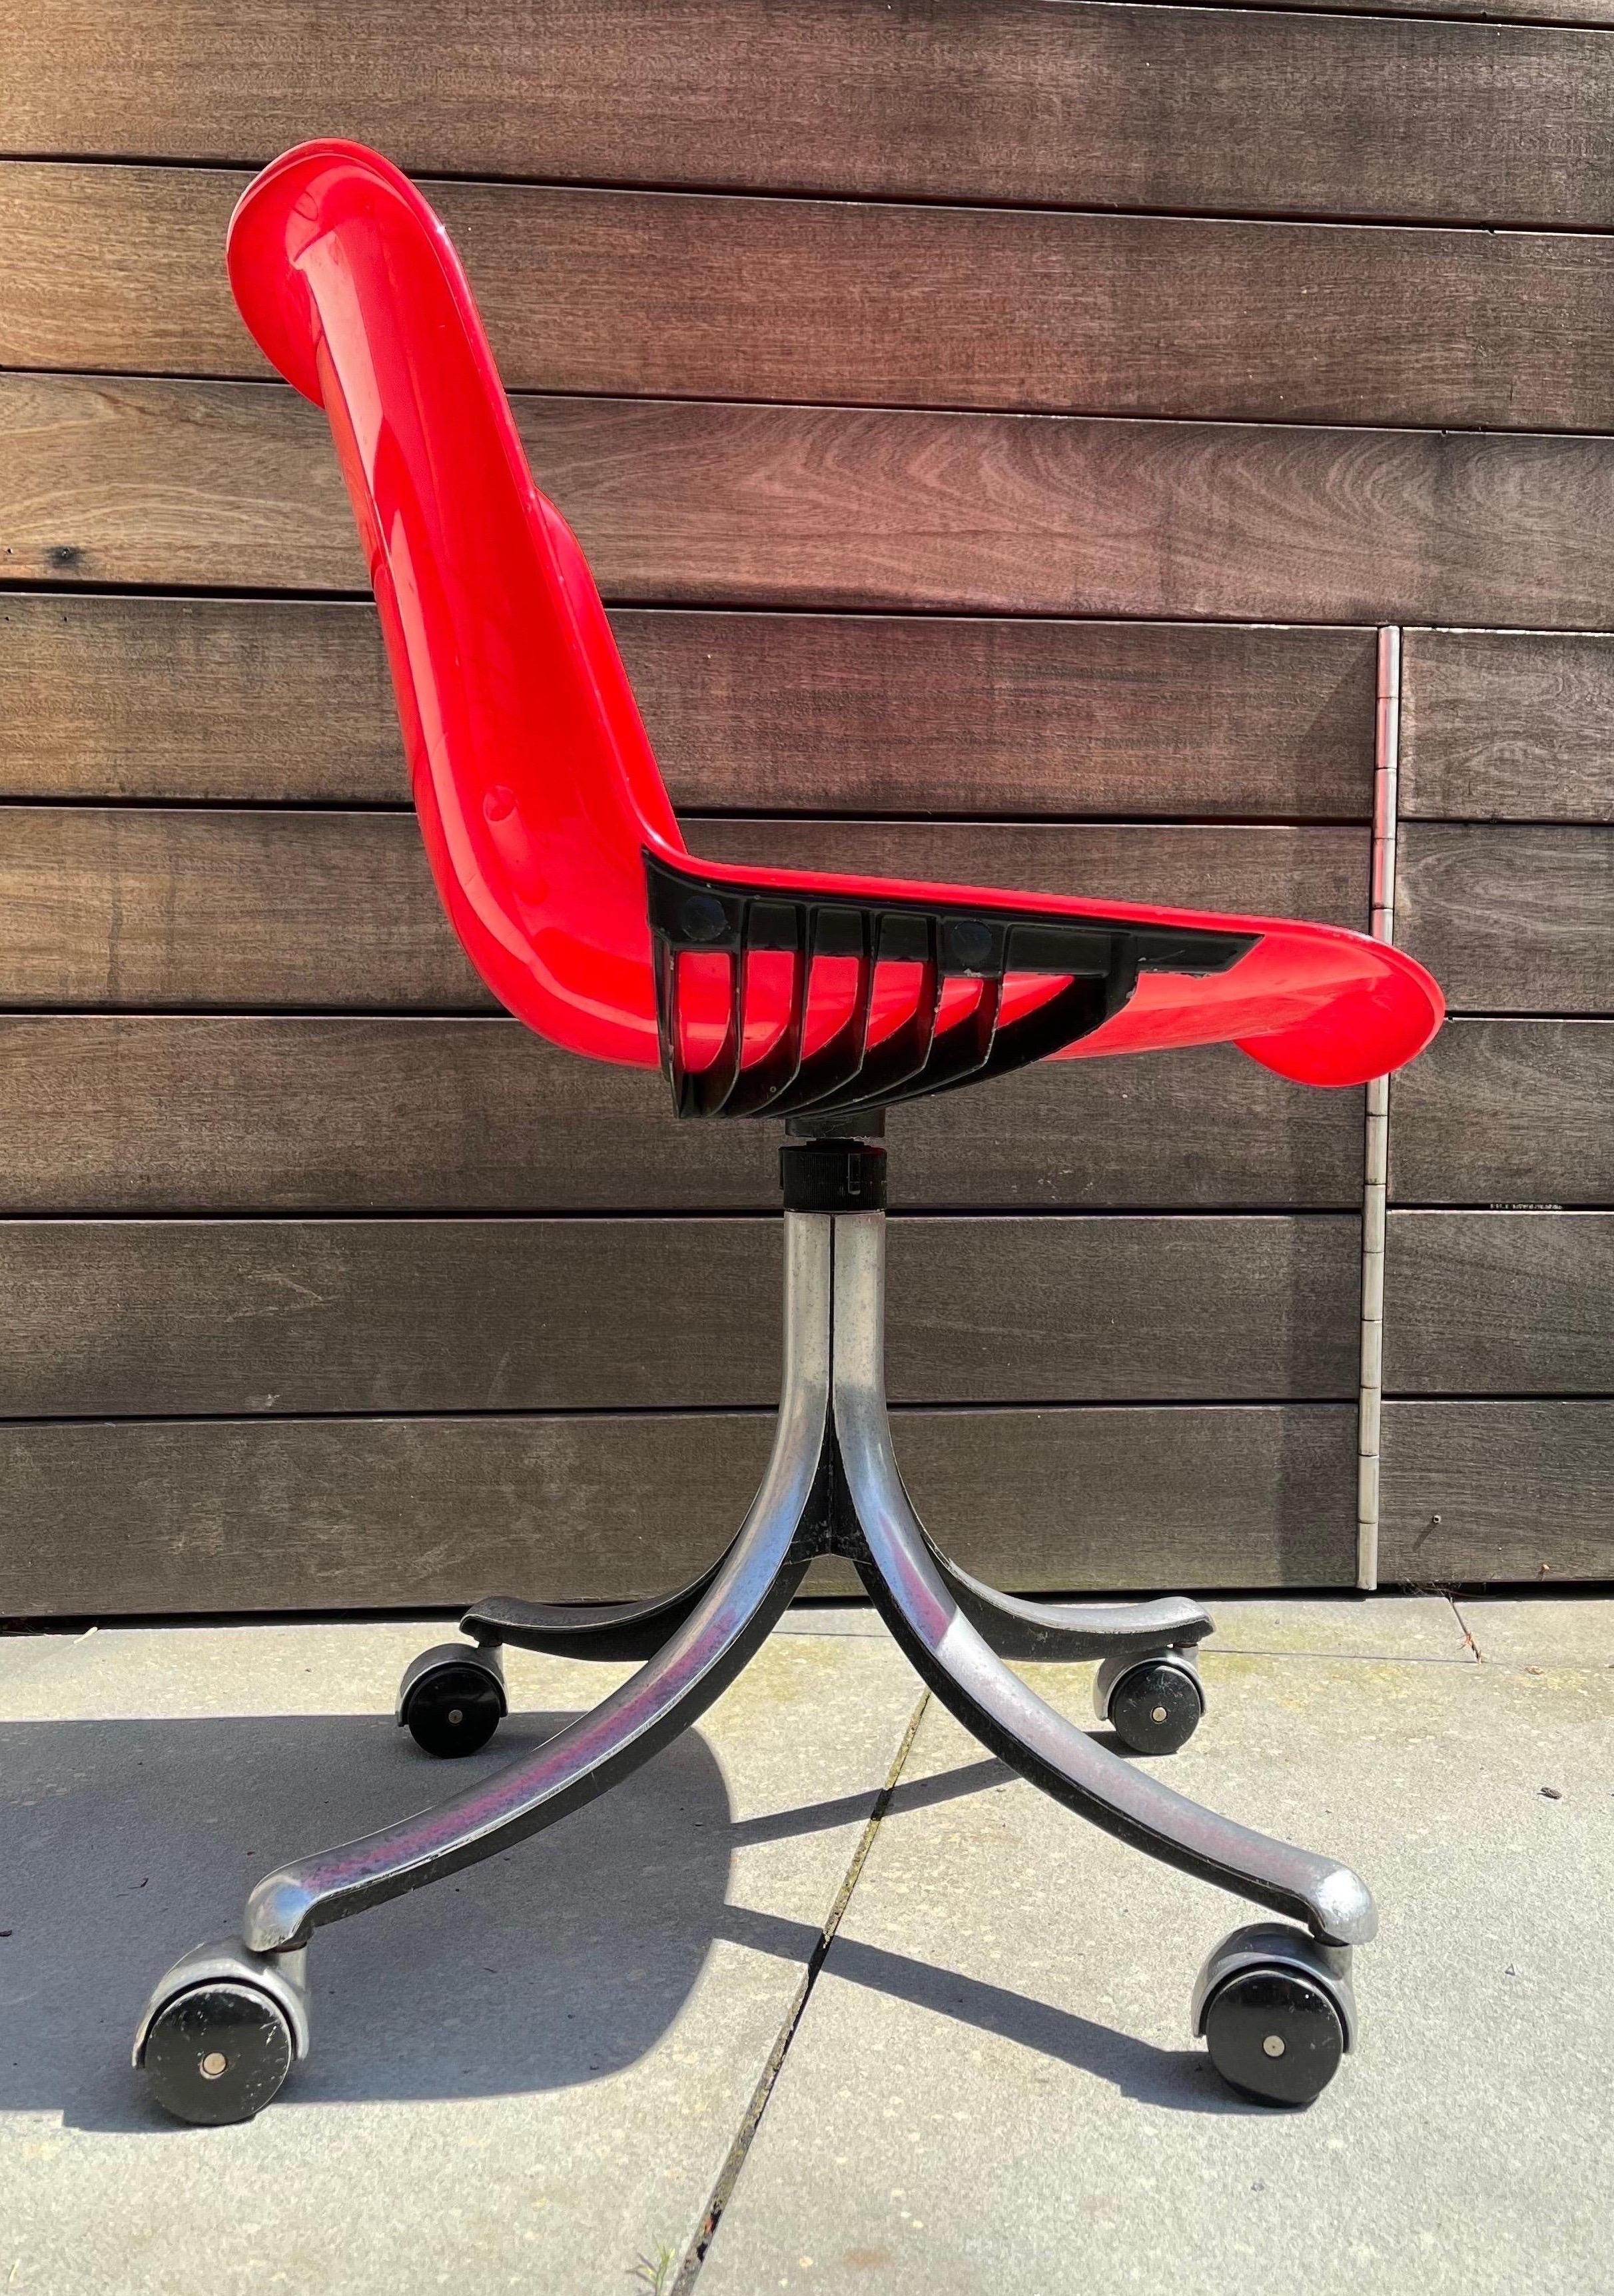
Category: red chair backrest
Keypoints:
(535, 781)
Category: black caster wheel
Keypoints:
(1154, 1706)
(222, 2031)
(452, 1700)
(1277, 2013)
(217, 2053)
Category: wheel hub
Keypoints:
(217, 2053)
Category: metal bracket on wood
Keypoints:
(1387, 760)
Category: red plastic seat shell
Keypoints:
(536, 784)
(537, 790)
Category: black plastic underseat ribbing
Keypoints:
(690, 913)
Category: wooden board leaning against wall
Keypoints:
(1014, 506)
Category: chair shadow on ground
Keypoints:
(561, 1961)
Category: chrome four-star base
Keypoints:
(1273, 2002)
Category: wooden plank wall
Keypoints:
(998, 429)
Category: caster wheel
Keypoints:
(1154, 1708)
(1277, 2013)
(452, 1700)
(218, 2052)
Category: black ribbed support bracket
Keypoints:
(834, 1176)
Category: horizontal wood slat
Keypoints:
(235, 484)
(1286, 871)
(221, 698)
(1506, 1113)
(1570, 13)
(1499, 1303)
(1230, 110)
(132, 908)
(108, 1318)
(1497, 1491)
(332, 1514)
(169, 1115)
(129, 909)
(682, 296)
(199, 699)
(1510, 919)
(1507, 725)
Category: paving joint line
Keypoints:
(728, 2176)
(1211, 1650)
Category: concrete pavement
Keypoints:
(548, 2073)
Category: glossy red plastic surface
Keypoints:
(537, 791)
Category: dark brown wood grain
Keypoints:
(873, 713)
(235, 484)
(1294, 872)
(133, 908)
(156, 1318)
(164, 1114)
(1498, 1490)
(682, 295)
(1510, 920)
(331, 1514)
(288, 699)
(1591, 13)
(1241, 111)
(1499, 1303)
(1503, 1112)
(197, 699)
(1507, 725)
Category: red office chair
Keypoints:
(759, 992)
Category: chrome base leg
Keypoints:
(220, 2049)
(695, 1665)
(452, 1697)
(668, 1694)
(1070, 1631)
(1273, 2004)
(927, 1619)
(611, 1631)
(1148, 1688)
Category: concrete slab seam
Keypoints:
(729, 2174)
